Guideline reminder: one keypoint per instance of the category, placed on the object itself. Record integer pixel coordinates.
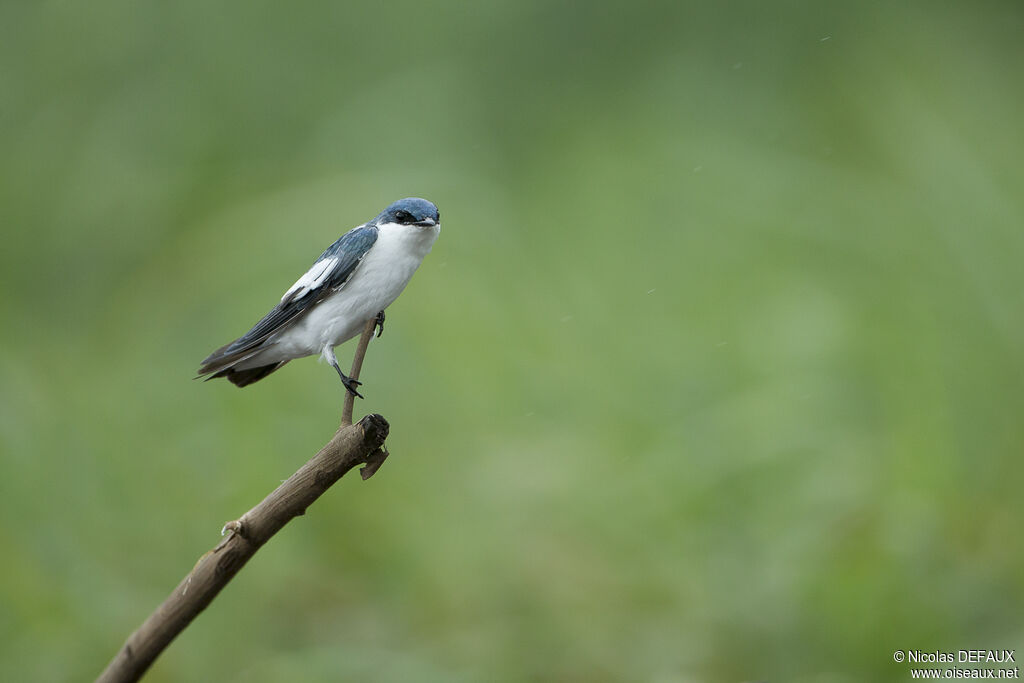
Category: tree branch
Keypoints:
(357, 366)
(352, 445)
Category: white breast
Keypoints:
(377, 281)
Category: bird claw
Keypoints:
(351, 385)
(380, 324)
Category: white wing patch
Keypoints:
(313, 278)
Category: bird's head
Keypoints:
(410, 211)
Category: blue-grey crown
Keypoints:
(410, 211)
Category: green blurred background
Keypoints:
(714, 374)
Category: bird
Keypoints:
(351, 283)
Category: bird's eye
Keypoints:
(403, 216)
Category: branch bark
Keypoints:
(352, 445)
(357, 366)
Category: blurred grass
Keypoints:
(714, 373)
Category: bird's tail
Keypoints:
(242, 378)
(224, 362)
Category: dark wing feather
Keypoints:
(329, 273)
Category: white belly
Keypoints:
(377, 281)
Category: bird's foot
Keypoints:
(380, 324)
(351, 385)
(350, 382)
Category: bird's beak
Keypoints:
(426, 223)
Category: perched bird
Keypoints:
(352, 282)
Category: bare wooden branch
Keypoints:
(352, 445)
(357, 366)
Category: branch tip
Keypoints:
(375, 427)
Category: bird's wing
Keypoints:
(329, 274)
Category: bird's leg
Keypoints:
(349, 382)
(380, 324)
